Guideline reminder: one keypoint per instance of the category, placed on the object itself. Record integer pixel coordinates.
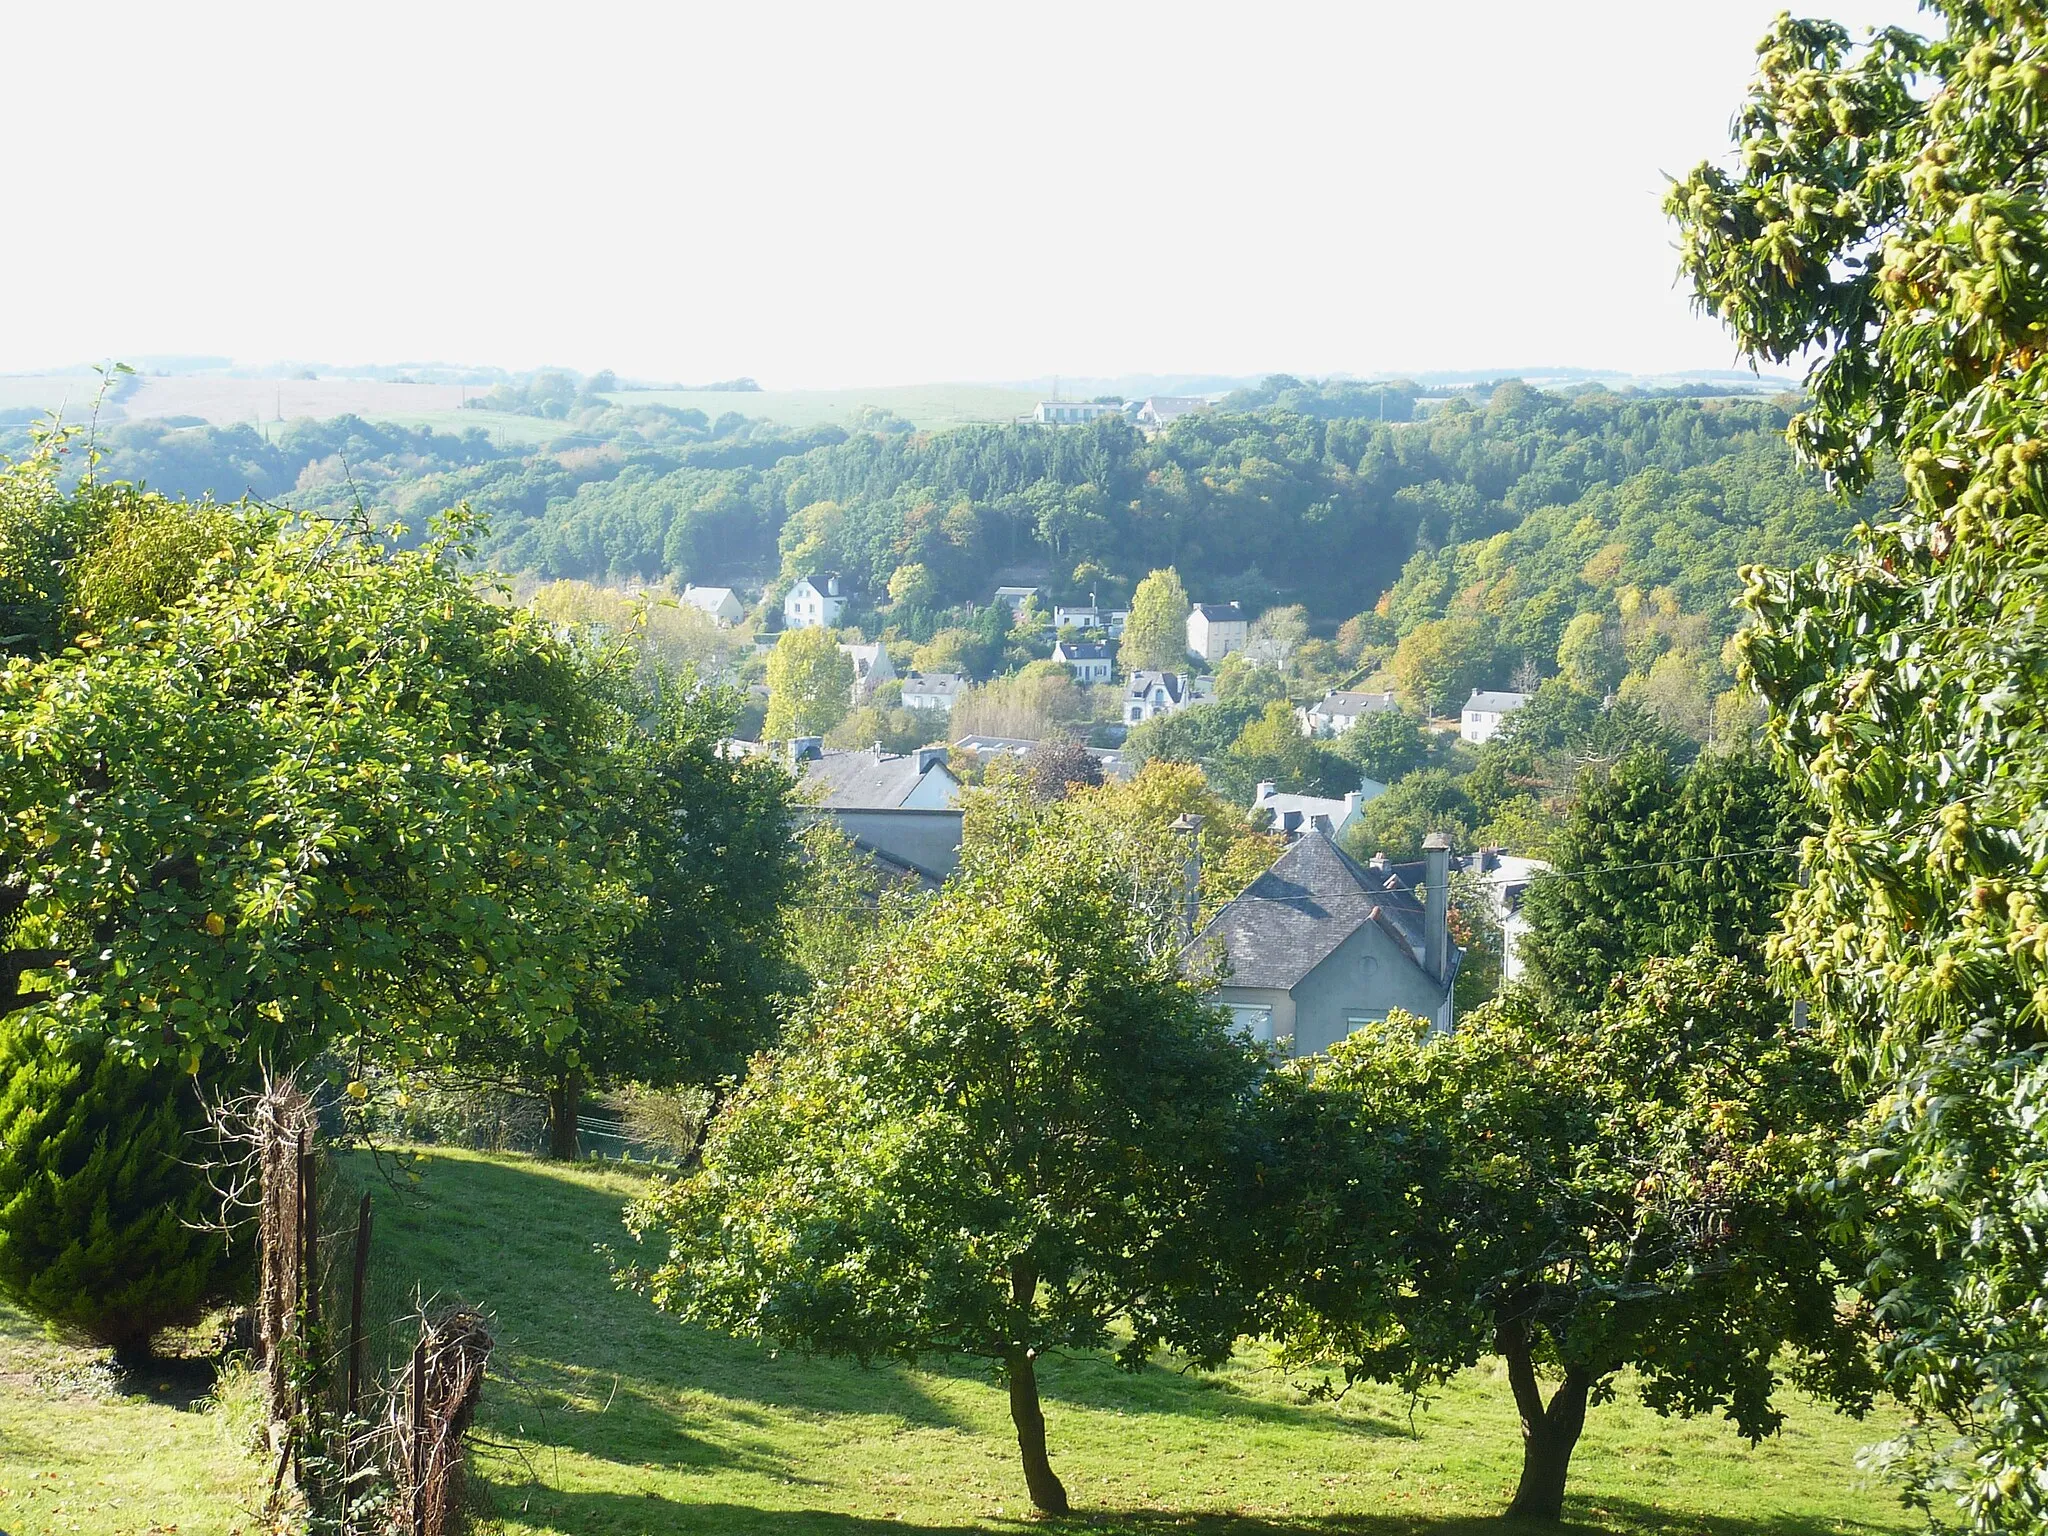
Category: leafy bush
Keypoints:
(104, 1210)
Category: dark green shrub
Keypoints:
(103, 1208)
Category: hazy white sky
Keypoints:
(866, 193)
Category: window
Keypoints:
(1364, 1020)
(1255, 1019)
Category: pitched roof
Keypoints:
(1142, 684)
(934, 683)
(821, 583)
(1341, 702)
(865, 780)
(1219, 613)
(1292, 918)
(1495, 703)
(1080, 650)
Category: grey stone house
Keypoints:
(1321, 945)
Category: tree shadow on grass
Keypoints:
(532, 1245)
(602, 1514)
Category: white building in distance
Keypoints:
(1216, 629)
(1341, 710)
(1481, 718)
(1154, 693)
(931, 690)
(721, 604)
(1067, 413)
(814, 602)
(1089, 660)
(871, 669)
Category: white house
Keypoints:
(1163, 410)
(1066, 413)
(1091, 617)
(1481, 718)
(1293, 814)
(1340, 710)
(1088, 660)
(1506, 878)
(814, 601)
(1154, 693)
(931, 690)
(1320, 945)
(871, 669)
(1216, 629)
(722, 604)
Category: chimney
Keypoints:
(1436, 911)
(929, 758)
(803, 748)
(1265, 791)
(1352, 802)
(1378, 861)
(1320, 823)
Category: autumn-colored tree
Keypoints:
(810, 684)
(1156, 633)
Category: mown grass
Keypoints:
(605, 1416)
(82, 1450)
(611, 1417)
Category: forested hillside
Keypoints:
(1510, 506)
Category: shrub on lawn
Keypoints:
(104, 1211)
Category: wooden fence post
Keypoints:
(419, 1436)
(355, 1305)
(309, 1239)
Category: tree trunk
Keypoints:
(563, 1143)
(1048, 1493)
(1549, 1432)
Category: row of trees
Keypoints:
(1018, 1127)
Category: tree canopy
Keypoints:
(1887, 216)
(1009, 1131)
(1637, 1188)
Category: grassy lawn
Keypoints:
(607, 1417)
(610, 1417)
(81, 1451)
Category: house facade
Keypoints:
(1163, 410)
(1109, 620)
(1339, 711)
(1067, 413)
(814, 602)
(931, 690)
(1089, 660)
(1149, 694)
(721, 604)
(1480, 720)
(871, 669)
(1321, 946)
(1216, 629)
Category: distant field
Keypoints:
(925, 405)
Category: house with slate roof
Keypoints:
(1154, 693)
(1341, 710)
(1217, 629)
(1480, 720)
(1321, 945)
(901, 807)
(815, 602)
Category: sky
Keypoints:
(847, 194)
